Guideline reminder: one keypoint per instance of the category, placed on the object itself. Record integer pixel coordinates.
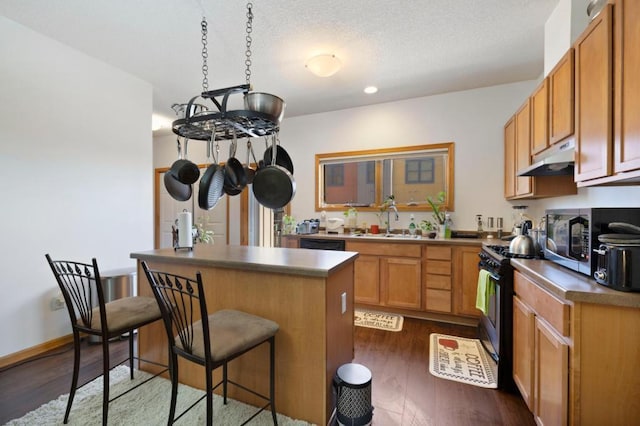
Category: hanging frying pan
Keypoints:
(178, 190)
(248, 171)
(184, 170)
(273, 185)
(235, 178)
(212, 181)
(282, 156)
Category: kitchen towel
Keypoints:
(185, 223)
(485, 290)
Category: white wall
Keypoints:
(76, 161)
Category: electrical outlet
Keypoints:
(343, 299)
(57, 302)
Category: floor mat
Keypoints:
(462, 360)
(379, 320)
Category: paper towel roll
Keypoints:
(185, 224)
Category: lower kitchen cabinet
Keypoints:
(541, 351)
(437, 270)
(465, 279)
(388, 274)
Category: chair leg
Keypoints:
(131, 353)
(76, 371)
(209, 385)
(105, 380)
(224, 383)
(173, 372)
(272, 377)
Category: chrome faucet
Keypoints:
(393, 207)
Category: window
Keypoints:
(334, 175)
(420, 170)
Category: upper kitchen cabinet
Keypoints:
(517, 150)
(607, 63)
(561, 99)
(594, 101)
(626, 78)
(540, 118)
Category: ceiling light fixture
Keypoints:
(370, 90)
(324, 65)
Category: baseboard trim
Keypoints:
(34, 351)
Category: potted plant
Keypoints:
(428, 228)
(438, 214)
(351, 218)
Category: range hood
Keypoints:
(555, 161)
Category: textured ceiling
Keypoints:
(406, 48)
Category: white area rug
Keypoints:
(462, 360)
(147, 405)
(379, 320)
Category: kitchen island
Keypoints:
(301, 290)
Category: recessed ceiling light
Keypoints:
(369, 90)
(324, 65)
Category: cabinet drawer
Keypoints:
(437, 252)
(385, 249)
(438, 300)
(552, 309)
(442, 282)
(440, 267)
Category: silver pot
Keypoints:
(265, 103)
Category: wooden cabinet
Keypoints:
(437, 270)
(523, 349)
(523, 148)
(388, 274)
(540, 118)
(517, 155)
(561, 99)
(509, 159)
(541, 351)
(551, 366)
(626, 87)
(608, 98)
(594, 83)
(465, 277)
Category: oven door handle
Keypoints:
(495, 278)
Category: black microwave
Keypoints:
(572, 234)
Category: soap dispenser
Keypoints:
(412, 225)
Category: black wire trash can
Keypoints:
(352, 383)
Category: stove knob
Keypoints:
(600, 275)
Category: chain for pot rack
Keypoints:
(200, 123)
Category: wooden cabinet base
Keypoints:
(314, 339)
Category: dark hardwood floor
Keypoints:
(403, 391)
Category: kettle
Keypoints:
(523, 244)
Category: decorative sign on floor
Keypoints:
(462, 360)
(379, 320)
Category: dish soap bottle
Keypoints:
(448, 224)
(412, 226)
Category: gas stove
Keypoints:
(503, 252)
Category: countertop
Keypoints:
(316, 263)
(569, 285)
(397, 238)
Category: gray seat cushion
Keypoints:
(231, 332)
(126, 313)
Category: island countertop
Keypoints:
(312, 263)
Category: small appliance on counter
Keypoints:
(574, 236)
(309, 226)
(335, 225)
(618, 258)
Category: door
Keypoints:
(594, 89)
(401, 282)
(367, 280)
(523, 349)
(551, 376)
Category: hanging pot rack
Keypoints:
(199, 123)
